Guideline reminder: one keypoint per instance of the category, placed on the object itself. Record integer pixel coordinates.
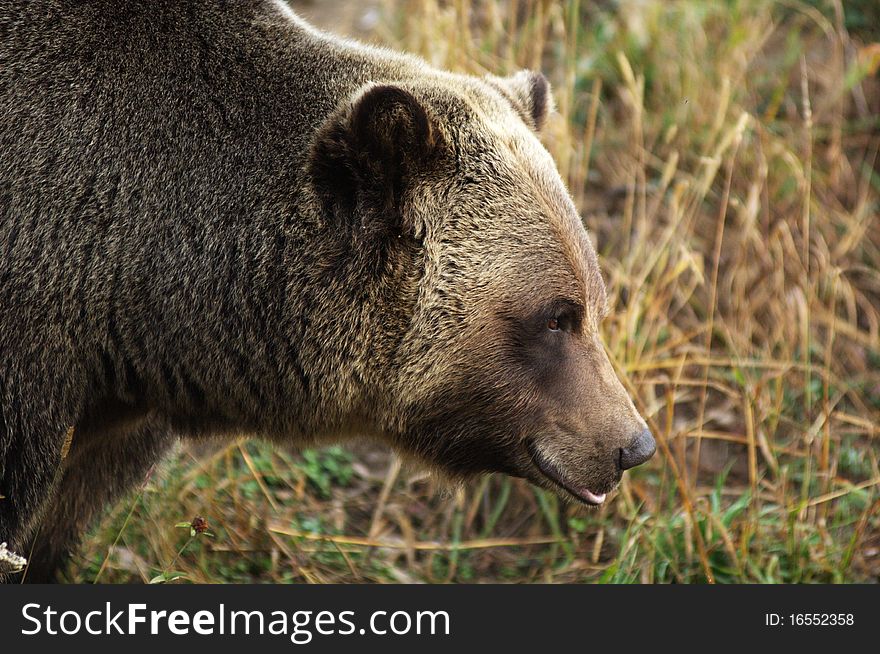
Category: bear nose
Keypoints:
(638, 451)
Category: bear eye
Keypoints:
(564, 318)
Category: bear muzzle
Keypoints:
(639, 450)
(559, 479)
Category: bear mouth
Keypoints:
(551, 472)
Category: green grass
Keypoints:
(724, 156)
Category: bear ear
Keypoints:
(529, 92)
(365, 157)
(391, 127)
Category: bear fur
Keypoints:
(216, 220)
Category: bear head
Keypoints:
(490, 356)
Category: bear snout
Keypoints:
(586, 480)
(640, 449)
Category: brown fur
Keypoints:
(216, 220)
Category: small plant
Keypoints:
(326, 468)
(198, 527)
(10, 562)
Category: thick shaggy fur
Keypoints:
(216, 220)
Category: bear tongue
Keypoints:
(592, 497)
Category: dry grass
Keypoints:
(725, 158)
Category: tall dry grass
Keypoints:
(724, 155)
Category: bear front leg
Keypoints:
(99, 469)
(29, 462)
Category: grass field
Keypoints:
(725, 158)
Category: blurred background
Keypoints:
(724, 155)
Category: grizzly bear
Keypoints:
(217, 220)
